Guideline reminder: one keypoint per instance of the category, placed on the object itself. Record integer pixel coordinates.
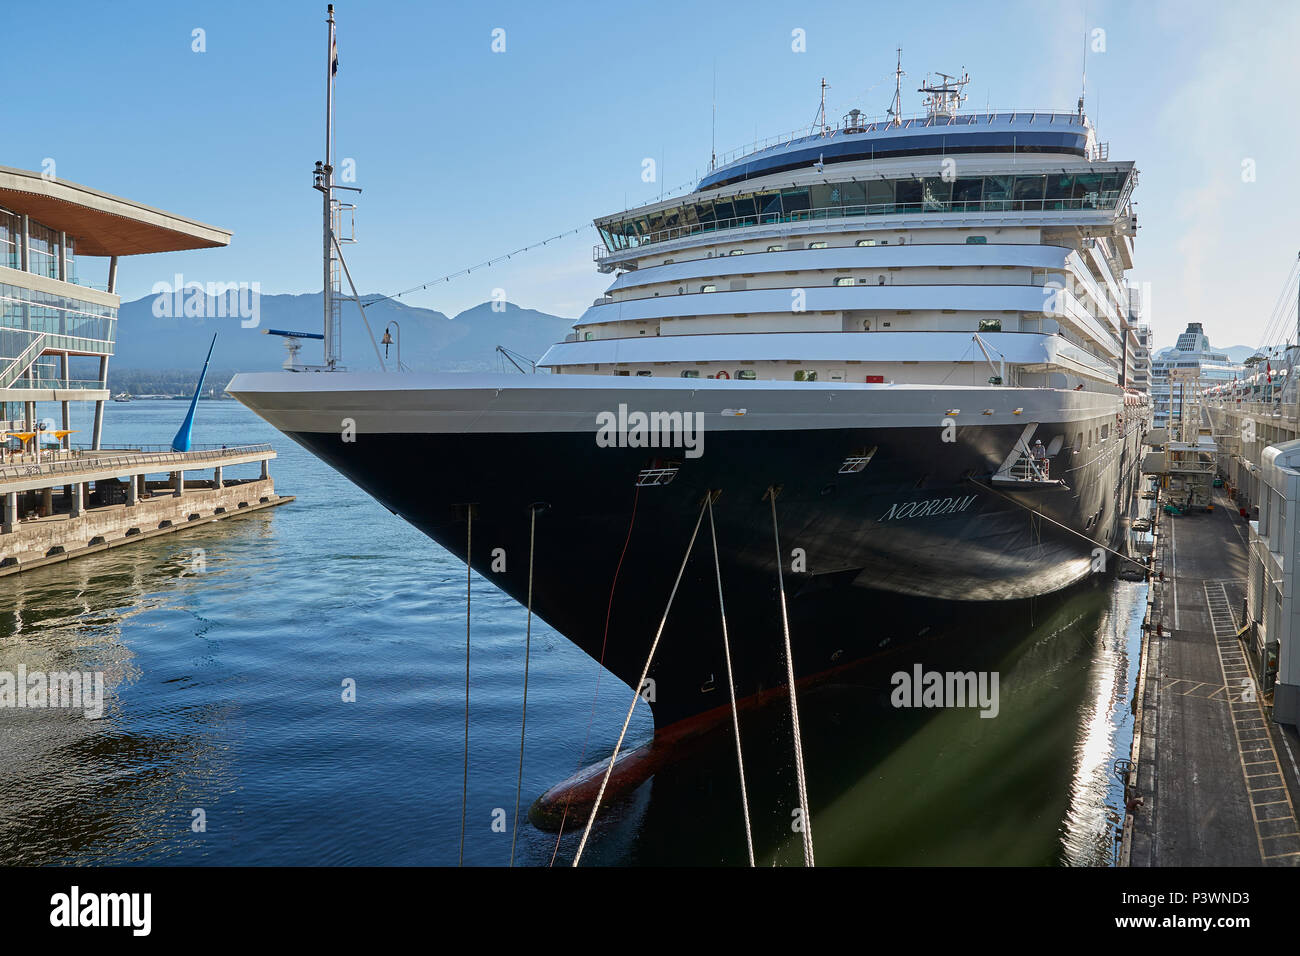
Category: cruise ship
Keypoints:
(893, 348)
(1191, 359)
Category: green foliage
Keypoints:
(171, 382)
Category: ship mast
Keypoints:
(896, 108)
(821, 109)
(335, 267)
(325, 183)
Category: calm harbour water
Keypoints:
(224, 694)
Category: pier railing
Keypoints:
(1287, 411)
(127, 459)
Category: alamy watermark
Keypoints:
(215, 300)
(624, 429)
(946, 689)
(68, 690)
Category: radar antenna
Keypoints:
(944, 99)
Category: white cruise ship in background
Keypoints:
(915, 330)
(1191, 359)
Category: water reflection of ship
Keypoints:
(914, 786)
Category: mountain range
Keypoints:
(429, 340)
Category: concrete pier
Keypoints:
(1213, 779)
(75, 502)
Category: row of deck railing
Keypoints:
(60, 461)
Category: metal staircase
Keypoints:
(17, 366)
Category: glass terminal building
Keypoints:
(48, 316)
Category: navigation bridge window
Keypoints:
(1038, 192)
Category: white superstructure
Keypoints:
(950, 248)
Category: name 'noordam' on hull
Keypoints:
(893, 354)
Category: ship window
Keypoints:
(817, 245)
(997, 189)
(805, 375)
(1059, 187)
(966, 194)
(774, 248)
(977, 240)
(794, 201)
(880, 193)
(708, 288)
(866, 242)
(736, 252)
(690, 373)
(844, 280)
(1029, 188)
(644, 373)
(746, 374)
(620, 371)
(936, 193)
(587, 336)
(908, 192)
(1078, 442)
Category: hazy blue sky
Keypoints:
(465, 153)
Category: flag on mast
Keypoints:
(334, 54)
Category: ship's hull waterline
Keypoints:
(872, 558)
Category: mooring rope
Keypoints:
(636, 695)
(731, 684)
(528, 641)
(469, 577)
(604, 641)
(794, 704)
(1034, 512)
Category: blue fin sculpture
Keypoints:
(182, 440)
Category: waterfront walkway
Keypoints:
(1216, 777)
(72, 503)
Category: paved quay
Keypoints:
(1216, 778)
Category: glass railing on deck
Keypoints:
(62, 383)
(847, 212)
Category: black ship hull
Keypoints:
(914, 541)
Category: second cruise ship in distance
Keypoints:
(902, 341)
